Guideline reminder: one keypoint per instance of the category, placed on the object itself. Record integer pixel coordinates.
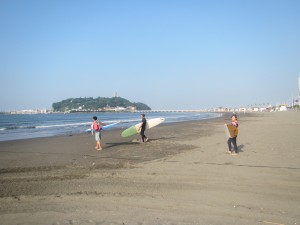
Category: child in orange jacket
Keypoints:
(233, 130)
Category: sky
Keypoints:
(167, 54)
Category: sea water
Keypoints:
(15, 127)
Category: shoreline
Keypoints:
(182, 176)
(80, 148)
(47, 127)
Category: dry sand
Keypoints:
(181, 176)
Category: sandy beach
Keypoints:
(181, 176)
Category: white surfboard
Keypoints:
(135, 129)
(227, 131)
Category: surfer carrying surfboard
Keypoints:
(233, 130)
(96, 127)
(143, 128)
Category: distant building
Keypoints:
(30, 111)
(298, 91)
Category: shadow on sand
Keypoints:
(135, 142)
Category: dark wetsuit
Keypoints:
(143, 128)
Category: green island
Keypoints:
(114, 104)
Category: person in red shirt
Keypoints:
(96, 127)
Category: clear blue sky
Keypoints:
(167, 54)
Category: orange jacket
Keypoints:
(233, 130)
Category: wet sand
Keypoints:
(181, 176)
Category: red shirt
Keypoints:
(96, 126)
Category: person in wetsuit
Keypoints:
(143, 128)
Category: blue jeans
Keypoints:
(233, 141)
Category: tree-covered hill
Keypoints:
(97, 104)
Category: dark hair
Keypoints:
(234, 116)
(95, 117)
(143, 115)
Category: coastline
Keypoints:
(182, 176)
(78, 150)
(20, 127)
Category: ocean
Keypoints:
(15, 127)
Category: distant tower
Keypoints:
(297, 99)
(116, 94)
(298, 87)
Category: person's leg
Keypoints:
(229, 144)
(100, 147)
(234, 145)
(98, 144)
(96, 138)
(143, 135)
(144, 138)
